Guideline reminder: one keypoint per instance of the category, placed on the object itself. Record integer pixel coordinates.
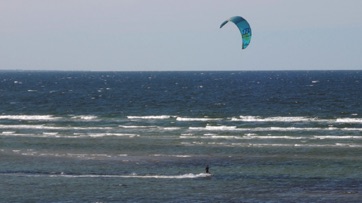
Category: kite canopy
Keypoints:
(244, 28)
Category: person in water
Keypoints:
(207, 169)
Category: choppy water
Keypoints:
(147, 136)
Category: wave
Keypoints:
(270, 137)
(8, 132)
(45, 127)
(337, 137)
(349, 120)
(85, 117)
(335, 145)
(288, 145)
(75, 135)
(50, 133)
(86, 156)
(29, 117)
(291, 119)
(273, 119)
(151, 127)
(216, 128)
(281, 119)
(63, 175)
(322, 137)
(154, 117)
(168, 155)
(169, 128)
(272, 128)
(97, 135)
(241, 118)
(137, 126)
(197, 119)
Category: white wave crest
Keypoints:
(28, 117)
(273, 119)
(337, 137)
(291, 119)
(85, 117)
(197, 119)
(44, 127)
(274, 137)
(96, 135)
(8, 132)
(169, 128)
(349, 120)
(215, 128)
(136, 126)
(160, 117)
(168, 155)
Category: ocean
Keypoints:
(267, 136)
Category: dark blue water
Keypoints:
(283, 136)
(315, 93)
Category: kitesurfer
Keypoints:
(207, 169)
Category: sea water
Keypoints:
(283, 136)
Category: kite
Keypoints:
(244, 28)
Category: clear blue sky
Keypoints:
(157, 35)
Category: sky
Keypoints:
(179, 35)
